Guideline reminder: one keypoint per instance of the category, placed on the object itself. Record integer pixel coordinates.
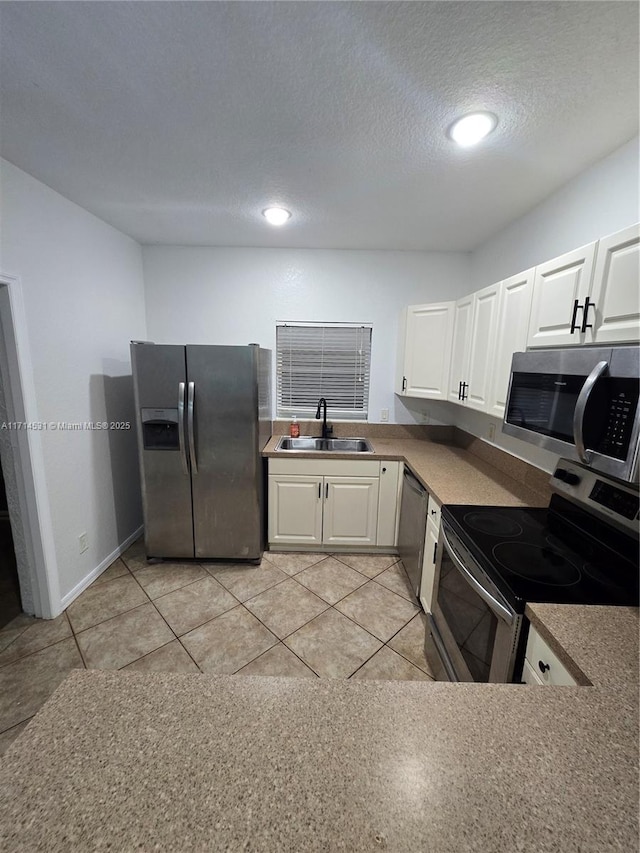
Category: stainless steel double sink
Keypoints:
(325, 445)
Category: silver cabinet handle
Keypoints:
(192, 441)
(183, 449)
(581, 405)
(484, 594)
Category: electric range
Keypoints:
(493, 560)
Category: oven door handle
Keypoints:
(484, 594)
(441, 649)
(581, 405)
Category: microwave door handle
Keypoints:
(484, 594)
(181, 442)
(581, 405)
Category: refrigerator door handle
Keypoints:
(183, 449)
(192, 442)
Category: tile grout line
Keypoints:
(73, 634)
(15, 726)
(243, 604)
(168, 626)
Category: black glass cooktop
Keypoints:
(558, 555)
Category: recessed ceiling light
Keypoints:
(276, 215)
(470, 129)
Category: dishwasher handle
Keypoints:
(414, 485)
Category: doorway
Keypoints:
(27, 564)
(10, 602)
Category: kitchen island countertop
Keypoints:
(194, 762)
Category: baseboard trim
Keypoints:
(99, 569)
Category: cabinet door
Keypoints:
(388, 504)
(615, 292)
(511, 335)
(350, 510)
(545, 663)
(427, 354)
(295, 509)
(429, 566)
(557, 285)
(483, 342)
(460, 347)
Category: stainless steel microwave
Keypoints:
(581, 403)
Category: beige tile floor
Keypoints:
(307, 615)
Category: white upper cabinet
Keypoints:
(589, 296)
(425, 350)
(461, 348)
(474, 333)
(511, 335)
(483, 344)
(614, 309)
(560, 288)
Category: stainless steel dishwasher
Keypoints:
(413, 525)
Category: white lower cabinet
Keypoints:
(337, 503)
(350, 512)
(295, 509)
(542, 666)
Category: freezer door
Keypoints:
(226, 467)
(159, 380)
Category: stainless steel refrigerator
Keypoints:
(203, 416)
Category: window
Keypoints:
(330, 361)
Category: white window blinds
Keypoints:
(323, 361)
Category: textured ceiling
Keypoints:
(179, 122)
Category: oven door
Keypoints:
(473, 632)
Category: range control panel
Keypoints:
(618, 502)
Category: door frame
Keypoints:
(29, 508)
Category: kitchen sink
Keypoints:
(325, 445)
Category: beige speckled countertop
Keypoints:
(179, 762)
(452, 475)
(596, 644)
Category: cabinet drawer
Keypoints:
(433, 511)
(538, 653)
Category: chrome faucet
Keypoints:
(326, 429)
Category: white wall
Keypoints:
(599, 201)
(83, 296)
(235, 296)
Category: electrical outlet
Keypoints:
(424, 417)
(83, 542)
(492, 432)
(384, 415)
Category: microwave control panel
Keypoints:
(619, 422)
